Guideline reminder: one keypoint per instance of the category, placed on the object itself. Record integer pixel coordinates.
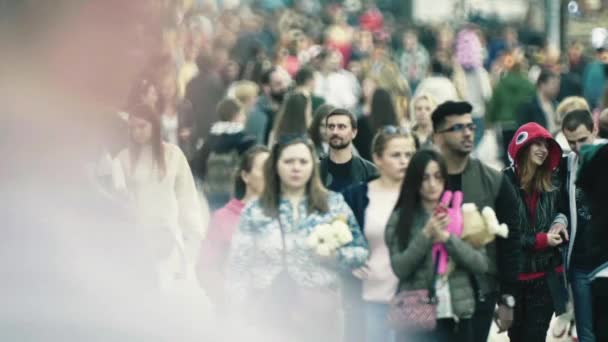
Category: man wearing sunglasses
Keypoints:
(454, 135)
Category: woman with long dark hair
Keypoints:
(294, 117)
(416, 224)
(156, 177)
(274, 274)
(317, 130)
(382, 114)
(535, 156)
(372, 203)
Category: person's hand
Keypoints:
(503, 317)
(362, 272)
(436, 224)
(560, 229)
(554, 239)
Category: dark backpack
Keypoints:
(219, 180)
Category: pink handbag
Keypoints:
(415, 310)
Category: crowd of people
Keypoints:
(299, 169)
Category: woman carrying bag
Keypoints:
(372, 203)
(434, 302)
(283, 268)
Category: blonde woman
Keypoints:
(422, 106)
(246, 92)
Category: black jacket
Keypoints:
(531, 111)
(360, 171)
(222, 142)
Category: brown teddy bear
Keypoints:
(481, 228)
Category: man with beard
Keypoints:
(341, 168)
(454, 133)
(274, 84)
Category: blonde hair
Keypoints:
(418, 97)
(245, 90)
(569, 104)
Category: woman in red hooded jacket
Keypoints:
(534, 156)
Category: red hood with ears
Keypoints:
(530, 132)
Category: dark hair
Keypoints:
(315, 191)
(545, 76)
(246, 164)
(228, 109)
(304, 75)
(342, 112)
(449, 108)
(292, 118)
(382, 111)
(265, 78)
(318, 118)
(576, 118)
(385, 135)
(140, 89)
(409, 201)
(603, 125)
(438, 68)
(148, 114)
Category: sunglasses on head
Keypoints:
(391, 129)
(459, 128)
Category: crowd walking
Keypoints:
(319, 171)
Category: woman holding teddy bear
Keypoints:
(422, 234)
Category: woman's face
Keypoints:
(295, 166)
(254, 179)
(422, 111)
(323, 131)
(140, 130)
(538, 152)
(395, 158)
(432, 183)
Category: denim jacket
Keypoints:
(256, 252)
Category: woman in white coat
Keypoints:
(157, 179)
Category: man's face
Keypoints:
(456, 134)
(551, 87)
(579, 137)
(278, 88)
(340, 132)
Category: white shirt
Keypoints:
(382, 283)
(169, 126)
(167, 209)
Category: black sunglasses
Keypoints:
(459, 128)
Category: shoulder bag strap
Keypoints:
(432, 295)
(284, 250)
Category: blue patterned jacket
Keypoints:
(255, 256)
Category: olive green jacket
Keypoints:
(414, 264)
